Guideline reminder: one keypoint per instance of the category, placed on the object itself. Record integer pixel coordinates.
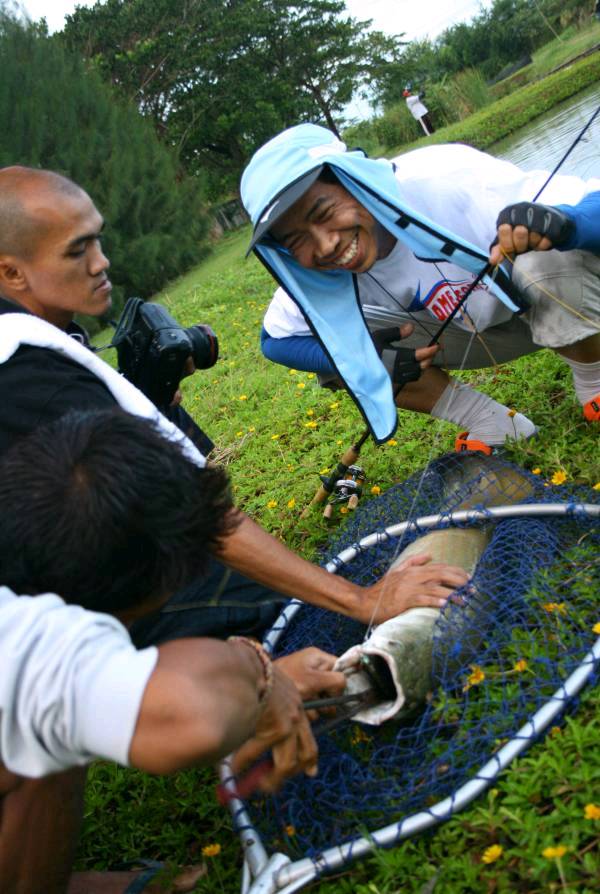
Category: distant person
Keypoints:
(360, 245)
(418, 110)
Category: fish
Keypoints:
(393, 668)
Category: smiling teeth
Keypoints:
(349, 254)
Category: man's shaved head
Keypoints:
(23, 192)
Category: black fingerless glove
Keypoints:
(542, 219)
(405, 368)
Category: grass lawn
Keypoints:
(276, 430)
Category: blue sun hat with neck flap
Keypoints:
(279, 173)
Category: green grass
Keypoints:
(276, 431)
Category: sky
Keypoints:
(417, 18)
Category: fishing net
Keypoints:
(531, 618)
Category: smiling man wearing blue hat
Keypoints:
(360, 245)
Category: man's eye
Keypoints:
(77, 252)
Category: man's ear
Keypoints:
(13, 279)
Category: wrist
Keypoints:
(265, 682)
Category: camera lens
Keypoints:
(205, 346)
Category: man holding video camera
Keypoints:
(52, 267)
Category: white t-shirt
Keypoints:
(71, 685)
(463, 190)
(416, 107)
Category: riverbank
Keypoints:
(508, 114)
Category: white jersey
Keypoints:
(71, 685)
(416, 107)
(463, 190)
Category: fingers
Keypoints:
(425, 355)
(284, 729)
(406, 329)
(311, 671)
(516, 240)
(291, 756)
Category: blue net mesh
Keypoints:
(527, 627)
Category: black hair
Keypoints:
(103, 510)
(328, 175)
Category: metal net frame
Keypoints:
(502, 671)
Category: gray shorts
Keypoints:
(573, 277)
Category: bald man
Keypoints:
(52, 266)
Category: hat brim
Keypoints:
(282, 203)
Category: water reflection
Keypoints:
(542, 143)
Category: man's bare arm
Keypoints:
(203, 701)
(258, 555)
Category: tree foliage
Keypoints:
(219, 77)
(57, 115)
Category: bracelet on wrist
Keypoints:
(265, 660)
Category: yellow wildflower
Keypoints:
(290, 831)
(211, 850)
(554, 853)
(243, 397)
(291, 503)
(301, 385)
(536, 471)
(520, 665)
(271, 504)
(324, 471)
(376, 490)
(476, 677)
(239, 434)
(596, 629)
(559, 477)
(596, 486)
(555, 731)
(338, 443)
(275, 437)
(336, 404)
(311, 424)
(310, 412)
(252, 428)
(293, 372)
(492, 853)
(591, 812)
(310, 376)
(512, 413)
(555, 607)
(392, 442)
(343, 510)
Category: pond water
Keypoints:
(541, 144)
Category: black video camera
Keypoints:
(152, 349)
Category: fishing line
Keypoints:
(566, 155)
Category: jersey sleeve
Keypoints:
(71, 685)
(297, 352)
(586, 215)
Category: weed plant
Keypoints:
(276, 430)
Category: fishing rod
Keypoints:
(352, 453)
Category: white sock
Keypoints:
(484, 418)
(586, 379)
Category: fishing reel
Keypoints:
(347, 490)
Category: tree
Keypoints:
(56, 115)
(219, 77)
